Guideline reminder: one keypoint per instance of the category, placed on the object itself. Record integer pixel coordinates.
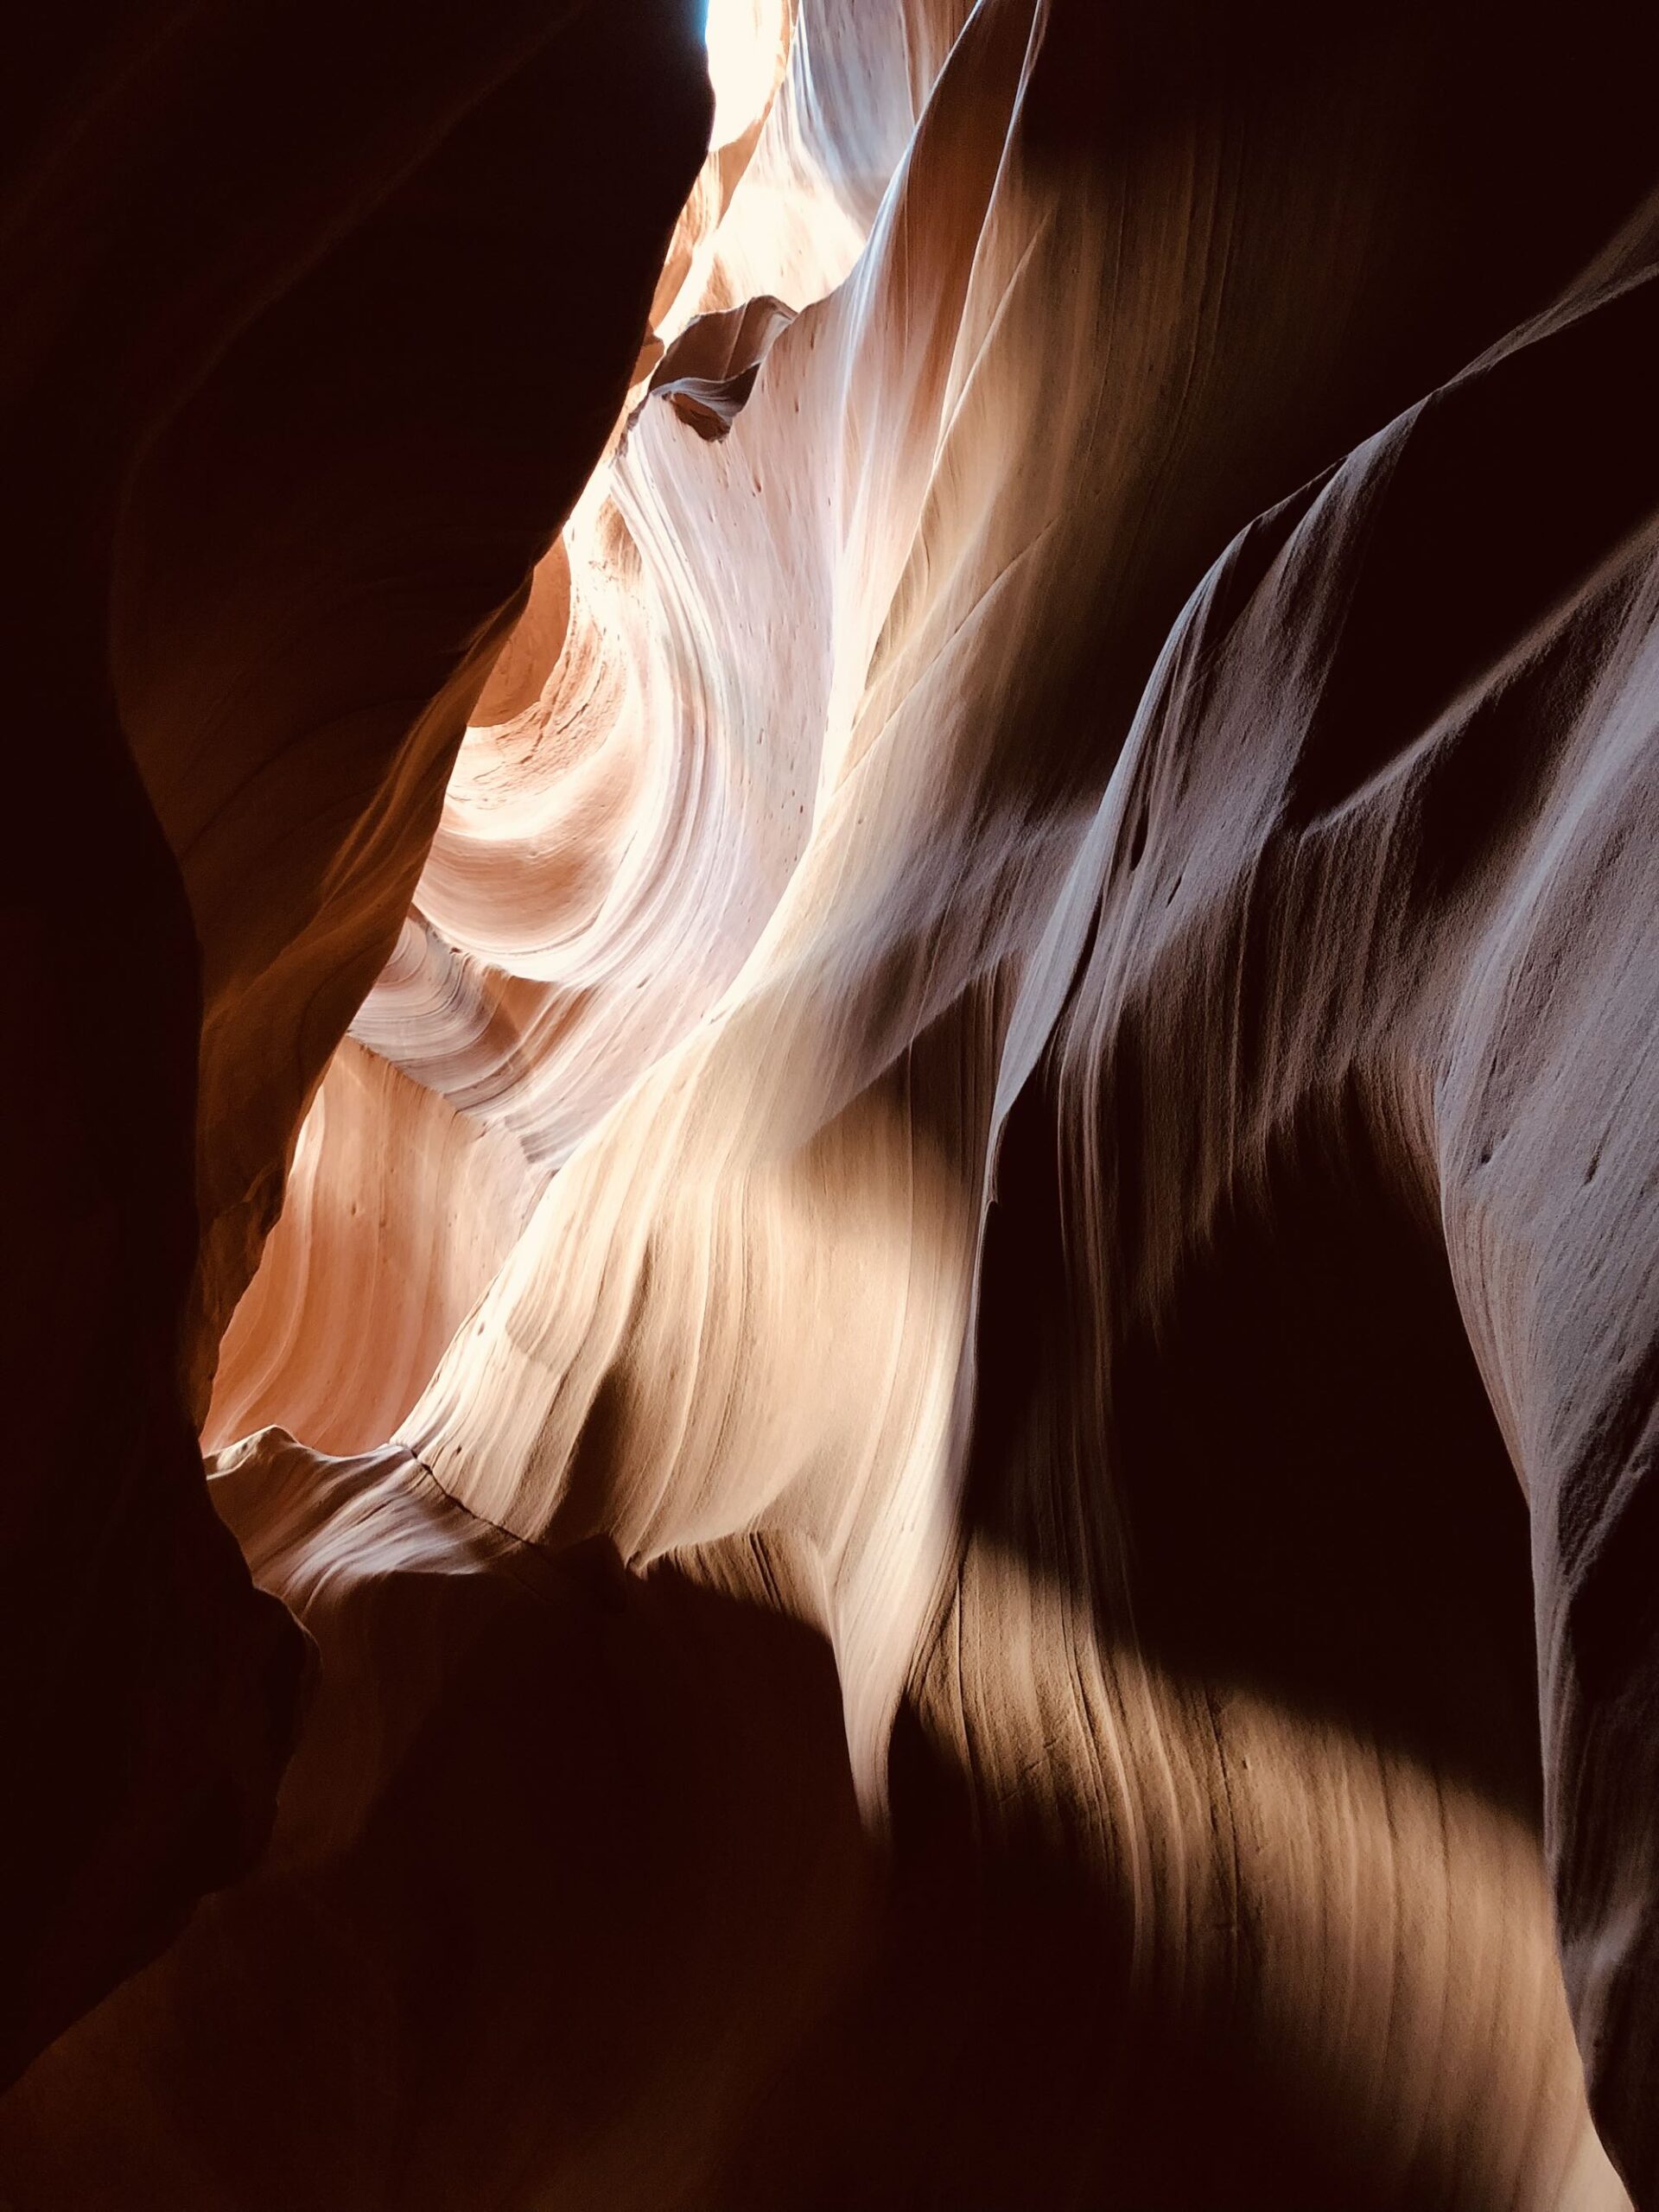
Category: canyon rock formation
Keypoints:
(839, 920)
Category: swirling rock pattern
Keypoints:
(959, 1378)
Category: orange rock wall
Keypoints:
(958, 1374)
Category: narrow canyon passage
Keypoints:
(840, 937)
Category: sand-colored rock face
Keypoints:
(959, 1375)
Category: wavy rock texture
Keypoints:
(972, 1320)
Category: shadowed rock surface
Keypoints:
(959, 1376)
(270, 497)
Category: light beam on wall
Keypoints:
(741, 37)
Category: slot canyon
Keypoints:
(832, 1170)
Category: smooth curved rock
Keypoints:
(1027, 1583)
(272, 499)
